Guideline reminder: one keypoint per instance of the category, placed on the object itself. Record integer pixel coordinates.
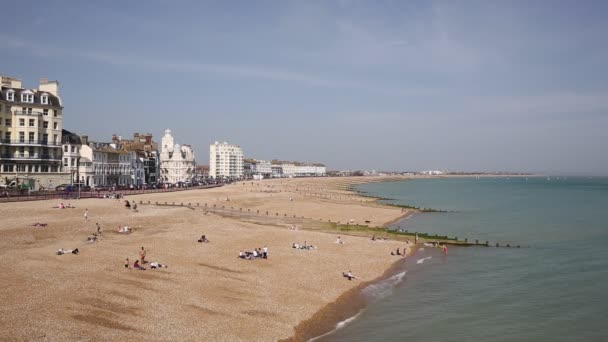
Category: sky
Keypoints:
(385, 85)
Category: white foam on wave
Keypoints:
(421, 261)
(339, 326)
(384, 288)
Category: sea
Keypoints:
(553, 288)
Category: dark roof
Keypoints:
(68, 137)
(53, 100)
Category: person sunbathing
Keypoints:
(137, 266)
(124, 229)
(92, 238)
(127, 263)
(155, 265)
(349, 275)
(203, 239)
(241, 255)
(339, 240)
(39, 224)
(62, 251)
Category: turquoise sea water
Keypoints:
(554, 290)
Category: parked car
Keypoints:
(63, 187)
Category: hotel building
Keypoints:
(177, 163)
(30, 133)
(225, 160)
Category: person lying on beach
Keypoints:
(39, 224)
(374, 238)
(349, 275)
(62, 251)
(127, 263)
(339, 240)
(137, 266)
(127, 204)
(155, 265)
(92, 238)
(124, 229)
(203, 239)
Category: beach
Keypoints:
(207, 292)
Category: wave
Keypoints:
(383, 288)
(339, 326)
(421, 261)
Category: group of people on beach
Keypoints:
(398, 252)
(133, 206)
(63, 206)
(305, 245)
(138, 264)
(257, 253)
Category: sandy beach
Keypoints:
(207, 292)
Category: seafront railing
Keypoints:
(73, 195)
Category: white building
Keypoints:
(309, 170)
(104, 164)
(262, 168)
(30, 134)
(289, 170)
(177, 162)
(225, 161)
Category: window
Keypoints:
(31, 151)
(65, 161)
(7, 136)
(21, 122)
(73, 149)
(54, 125)
(8, 122)
(10, 95)
(32, 122)
(44, 99)
(21, 136)
(31, 137)
(45, 124)
(0, 107)
(45, 138)
(54, 138)
(65, 148)
(28, 98)
(55, 112)
(45, 112)
(73, 162)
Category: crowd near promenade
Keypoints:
(108, 291)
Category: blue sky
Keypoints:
(393, 85)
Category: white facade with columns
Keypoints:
(177, 162)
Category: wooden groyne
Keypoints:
(266, 217)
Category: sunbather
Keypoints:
(349, 275)
(62, 251)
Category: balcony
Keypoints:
(35, 156)
(28, 142)
(21, 112)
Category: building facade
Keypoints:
(30, 134)
(177, 162)
(104, 164)
(225, 161)
(145, 158)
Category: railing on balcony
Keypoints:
(29, 156)
(21, 112)
(29, 142)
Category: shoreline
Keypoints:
(346, 307)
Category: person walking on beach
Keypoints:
(98, 228)
(142, 255)
(445, 249)
(416, 239)
(86, 214)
